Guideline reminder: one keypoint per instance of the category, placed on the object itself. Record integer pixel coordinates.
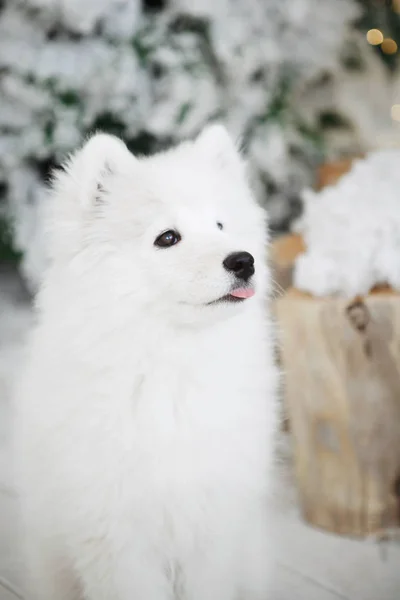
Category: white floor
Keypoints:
(310, 565)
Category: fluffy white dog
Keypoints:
(146, 416)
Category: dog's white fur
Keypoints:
(146, 417)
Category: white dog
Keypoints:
(146, 416)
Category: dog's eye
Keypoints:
(219, 225)
(167, 239)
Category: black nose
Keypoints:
(241, 264)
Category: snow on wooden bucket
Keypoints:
(341, 363)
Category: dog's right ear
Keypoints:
(80, 191)
(88, 170)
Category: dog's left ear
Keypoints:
(217, 146)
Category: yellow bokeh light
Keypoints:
(395, 112)
(389, 46)
(375, 37)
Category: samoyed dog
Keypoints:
(146, 415)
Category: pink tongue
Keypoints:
(243, 293)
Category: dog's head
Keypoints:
(179, 230)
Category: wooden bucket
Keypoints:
(342, 397)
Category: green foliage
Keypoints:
(69, 98)
(351, 57)
(8, 252)
(332, 120)
(49, 132)
(183, 113)
(279, 107)
(313, 137)
(109, 123)
(142, 48)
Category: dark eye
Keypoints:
(167, 239)
(219, 225)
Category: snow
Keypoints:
(69, 63)
(352, 230)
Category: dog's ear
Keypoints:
(215, 143)
(88, 170)
(80, 191)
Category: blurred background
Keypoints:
(309, 88)
(301, 82)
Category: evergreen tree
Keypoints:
(154, 72)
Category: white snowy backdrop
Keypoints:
(286, 76)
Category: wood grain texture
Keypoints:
(341, 363)
(329, 173)
(283, 253)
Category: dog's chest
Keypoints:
(192, 420)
